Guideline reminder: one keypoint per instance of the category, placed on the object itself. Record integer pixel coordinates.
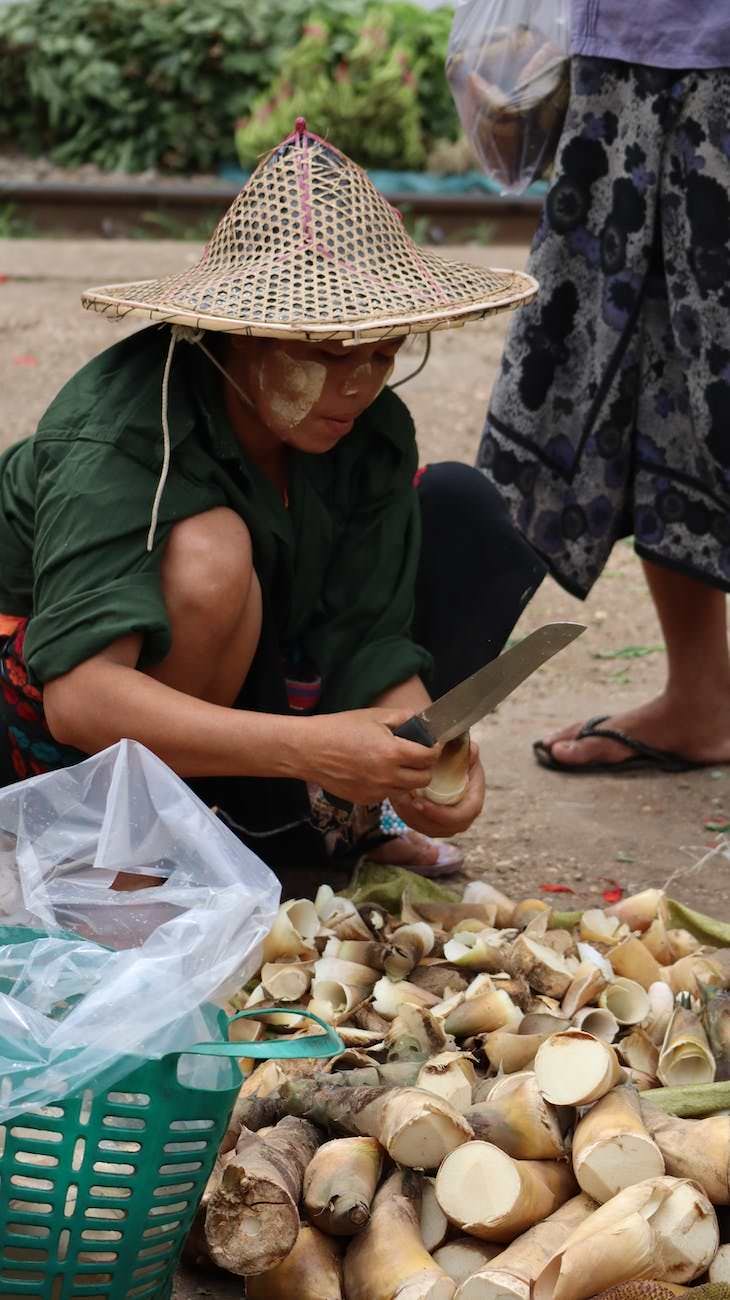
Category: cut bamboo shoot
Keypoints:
(663, 1228)
(340, 1183)
(638, 910)
(518, 1120)
(389, 997)
(416, 1128)
(508, 1276)
(574, 1068)
(450, 1075)
(388, 1260)
(253, 1221)
(433, 1221)
(293, 932)
(720, 1266)
(491, 1196)
(639, 1052)
(510, 1052)
(286, 981)
(612, 1148)
(587, 984)
(693, 1148)
(632, 960)
(479, 891)
(597, 1021)
(545, 970)
(464, 1256)
(482, 1014)
(311, 1271)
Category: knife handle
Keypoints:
(414, 729)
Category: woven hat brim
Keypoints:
(121, 300)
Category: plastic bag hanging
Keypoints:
(508, 67)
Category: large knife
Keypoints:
(456, 711)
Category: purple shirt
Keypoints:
(660, 33)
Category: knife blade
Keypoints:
(458, 710)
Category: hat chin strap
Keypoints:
(187, 335)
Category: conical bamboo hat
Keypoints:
(309, 249)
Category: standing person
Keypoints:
(214, 543)
(611, 414)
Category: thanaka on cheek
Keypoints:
(294, 387)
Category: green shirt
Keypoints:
(338, 566)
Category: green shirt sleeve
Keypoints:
(362, 641)
(94, 580)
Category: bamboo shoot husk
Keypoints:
(450, 1075)
(587, 984)
(433, 1222)
(340, 915)
(518, 1120)
(638, 910)
(545, 970)
(365, 952)
(293, 932)
(526, 910)
(693, 1148)
(464, 1256)
(612, 1149)
(657, 942)
(685, 1056)
(414, 1035)
(487, 950)
(480, 891)
(631, 959)
(416, 1128)
(574, 1068)
(389, 997)
(407, 946)
(596, 926)
(597, 1021)
(442, 979)
(388, 1260)
(510, 1052)
(340, 1183)
(639, 1052)
(626, 1000)
(482, 1014)
(717, 1021)
(311, 1271)
(661, 1008)
(252, 1220)
(682, 943)
(286, 981)
(663, 1228)
(693, 973)
(542, 1022)
(364, 1038)
(489, 1195)
(511, 1273)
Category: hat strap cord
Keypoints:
(189, 336)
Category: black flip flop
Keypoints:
(646, 757)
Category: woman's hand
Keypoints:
(441, 820)
(355, 755)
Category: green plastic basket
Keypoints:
(98, 1193)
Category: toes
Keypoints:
(579, 753)
(566, 733)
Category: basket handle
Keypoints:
(294, 1049)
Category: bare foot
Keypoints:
(420, 854)
(696, 733)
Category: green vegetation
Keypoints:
(132, 84)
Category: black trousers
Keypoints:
(475, 577)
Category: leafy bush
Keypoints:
(132, 84)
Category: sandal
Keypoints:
(645, 757)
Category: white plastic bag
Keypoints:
(507, 65)
(121, 976)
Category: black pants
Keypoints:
(475, 577)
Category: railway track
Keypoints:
(180, 208)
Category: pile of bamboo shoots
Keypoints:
(528, 1104)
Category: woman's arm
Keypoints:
(353, 755)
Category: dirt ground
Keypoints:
(538, 827)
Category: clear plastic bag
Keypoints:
(507, 65)
(99, 979)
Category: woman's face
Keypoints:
(308, 395)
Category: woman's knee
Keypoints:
(207, 566)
